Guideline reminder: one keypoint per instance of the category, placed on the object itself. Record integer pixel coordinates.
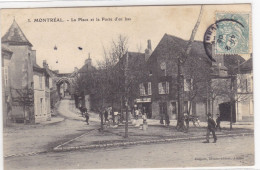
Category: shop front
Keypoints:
(145, 105)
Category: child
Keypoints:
(85, 112)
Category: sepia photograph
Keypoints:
(105, 87)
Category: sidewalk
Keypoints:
(224, 124)
(155, 133)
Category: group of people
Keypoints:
(139, 113)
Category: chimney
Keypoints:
(88, 61)
(76, 69)
(44, 64)
(149, 45)
(148, 50)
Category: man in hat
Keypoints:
(211, 128)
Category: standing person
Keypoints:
(167, 120)
(218, 122)
(211, 128)
(136, 113)
(186, 120)
(106, 115)
(85, 112)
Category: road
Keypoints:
(41, 139)
(227, 152)
(25, 139)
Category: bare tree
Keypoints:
(181, 60)
(235, 88)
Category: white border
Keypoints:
(255, 46)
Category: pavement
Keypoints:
(114, 136)
(231, 151)
(31, 139)
(68, 131)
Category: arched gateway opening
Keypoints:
(64, 87)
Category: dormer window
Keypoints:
(163, 67)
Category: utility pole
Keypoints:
(126, 95)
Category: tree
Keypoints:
(235, 88)
(106, 82)
(181, 60)
(197, 77)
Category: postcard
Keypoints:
(127, 87)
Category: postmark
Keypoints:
(228, 35)
(232, 33)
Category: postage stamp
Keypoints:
(232, 33)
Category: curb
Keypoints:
(168, 140)
(24, 154)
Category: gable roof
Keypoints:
(176, 45)
(232, 61)
(15, 36)
(246, 66)
(39, 69)
(135, 59)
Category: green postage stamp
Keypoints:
(232, 33)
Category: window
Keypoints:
(244, 84)
(149, 88)
(249, 84)
(188, 84)
(163, 87)
(6, 75)
(145, 89)
(50, 82)
(47, 81)
(40, 81)
(142, 89)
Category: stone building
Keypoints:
(53, 78)
(245, 100)
(6, 86)
(158, 90)
(41, 91)
(23, 69)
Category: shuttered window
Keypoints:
(149, 88)
(163, 87)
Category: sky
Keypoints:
(146, 22)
